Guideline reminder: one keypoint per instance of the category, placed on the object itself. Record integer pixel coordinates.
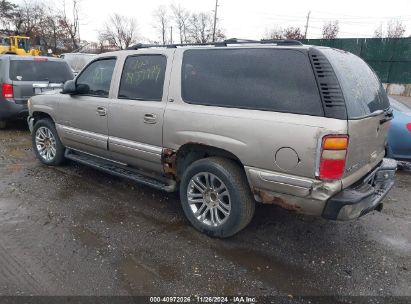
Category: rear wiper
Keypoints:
(388, 115)
(377, 113)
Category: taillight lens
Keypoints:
(333, 157)
(7, 90)
(409, 127)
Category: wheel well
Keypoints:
(41, 115)
(189, 153)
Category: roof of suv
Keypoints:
(230, 43)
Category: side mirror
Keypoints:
(82, 89)
(69, 88)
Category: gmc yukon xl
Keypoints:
(228, 125)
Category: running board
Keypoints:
(113, 168)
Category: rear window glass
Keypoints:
(52, 71)
(260, 79)
(363, 91)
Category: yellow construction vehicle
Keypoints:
(17, 45)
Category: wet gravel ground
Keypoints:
(73, 230)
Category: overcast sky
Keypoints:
(251, 19)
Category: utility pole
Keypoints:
(215, 19)
(306, 25)
(171, 35)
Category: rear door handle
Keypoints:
(150, 118)
(101, 111)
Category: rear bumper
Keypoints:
(11, 110)
(364, 196)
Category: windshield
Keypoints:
(363, 92)
(24, 44)
(78, 61)
(52, 71)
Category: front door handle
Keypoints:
(150, 118)
(101, 111)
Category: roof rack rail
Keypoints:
(281, 41)
(284, 42)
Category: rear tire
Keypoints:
(46, 143)
(216, 197)
(3, 124)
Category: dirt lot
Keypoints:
(76, 231)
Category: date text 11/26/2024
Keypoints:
(200, 299)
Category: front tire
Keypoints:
(46, 143)
(216, 197)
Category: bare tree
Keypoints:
(51, 33)
(7, 12)
(71, 24)
(395, 29)
(275, 33)
(292, 32)
(53, 28)
(200, 28)
(331, 30)
(379, 32)
(181, 18)
(28, 17)
(119, 31)
(162, 21)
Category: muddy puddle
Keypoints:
(286, 277)
(87, 237)
(140, 277)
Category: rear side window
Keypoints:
(143, 77)
(96, 78)
(363, 91)
(40, 70)
(260, 79)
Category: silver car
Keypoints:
(21, 77)
(228, 125)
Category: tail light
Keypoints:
(409, 127)
(7, 90)
(333, 157)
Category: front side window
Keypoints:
(95, 80)
(143, 78)
(260, 79)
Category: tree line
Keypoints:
(57, 26)
(53, 27)
(173, 24)
(176, 24)
(394, 28)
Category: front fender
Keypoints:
(46, 104)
